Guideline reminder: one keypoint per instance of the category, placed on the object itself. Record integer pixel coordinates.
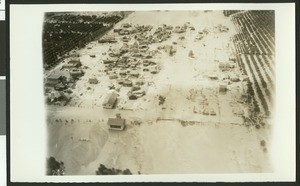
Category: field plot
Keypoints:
(160, 92)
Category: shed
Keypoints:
(122, 72)
(107, 39)
(135, 88)
(213, 76)
(75, 62)
(139, 93)
(238, 111)
(224, 66)
(53, 79)
(107, 61)
(112, 76)
(110, 100)
(127, 83)
(139, 82)
(222, 88)
(132, 96)
(234, 78)
(116, 123)
(76, 72)
(93, 81)
(58, 96)
(134, 73)
(120, 81)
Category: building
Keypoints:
(116, 123)
(234, 78)
(223, 66)
(58, 98)
(93, 81)
(134, 74)
(113, 76)
(107, 39)
(222, 88)
(53, 79)
(109, 61)
(76, 73)
(238, 111)
(75, 62)
(110, 100)
(127, 83)
(72, 64)
(213, 76)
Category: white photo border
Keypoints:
(27, 111)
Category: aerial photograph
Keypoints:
(159, 92)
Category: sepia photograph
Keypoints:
(152, 93)
(183, 92)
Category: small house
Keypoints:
(205, 111)
(107, 39)
(234, 78)
(53, 79)
(139, 93)
(76, 73)
(72, 64)
(134, 74)
(110, 100)
(153, 71)
(132, 96)
(224, 66)
(213, 76)
(113, 76)
(117, 30)
(75, 62)
(127, 83)
(122, 72)
(60, 86)
(135, 88)
(238, 111)
(222, 88)
(120, 81)
(139, 82)
(245, 78)
(93, 81)
(58, 97)
(126, 25)
(107, 61)
(116, 123)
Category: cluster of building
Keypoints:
(58, 85)
(228, 74)
(134, 60)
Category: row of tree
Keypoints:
(55, 167)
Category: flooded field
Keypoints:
(180, 89)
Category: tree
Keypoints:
(54, 167)
(103, 170)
